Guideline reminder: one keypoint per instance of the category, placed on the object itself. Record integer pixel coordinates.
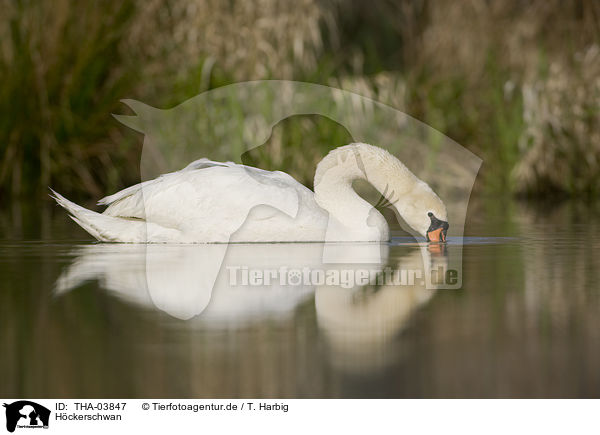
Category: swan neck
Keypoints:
(342, 166)
(411, 197)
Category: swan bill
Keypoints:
(438, 235)
(437, 230)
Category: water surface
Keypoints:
(81, 319)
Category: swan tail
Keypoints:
(103, 227)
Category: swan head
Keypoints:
(437, 230)
(422, 209)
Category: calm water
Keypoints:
(80, 319)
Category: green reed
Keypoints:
(515, 82)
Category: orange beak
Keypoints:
(437, 235)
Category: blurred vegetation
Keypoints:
(517, 82)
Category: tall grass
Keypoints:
(65, 65)
(517, 82)
(514, 81)
(62, 73)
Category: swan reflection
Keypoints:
(360, 306)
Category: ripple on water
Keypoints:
(408, 241)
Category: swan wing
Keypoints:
(207, 200)
(131, 190)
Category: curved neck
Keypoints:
(337, 171)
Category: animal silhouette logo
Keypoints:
(227, 122)
(26, 414)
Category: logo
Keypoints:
(26, 414)
(204, 125)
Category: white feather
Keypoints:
(213, 202)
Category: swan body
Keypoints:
(214, 202)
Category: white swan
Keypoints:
(212, 202)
